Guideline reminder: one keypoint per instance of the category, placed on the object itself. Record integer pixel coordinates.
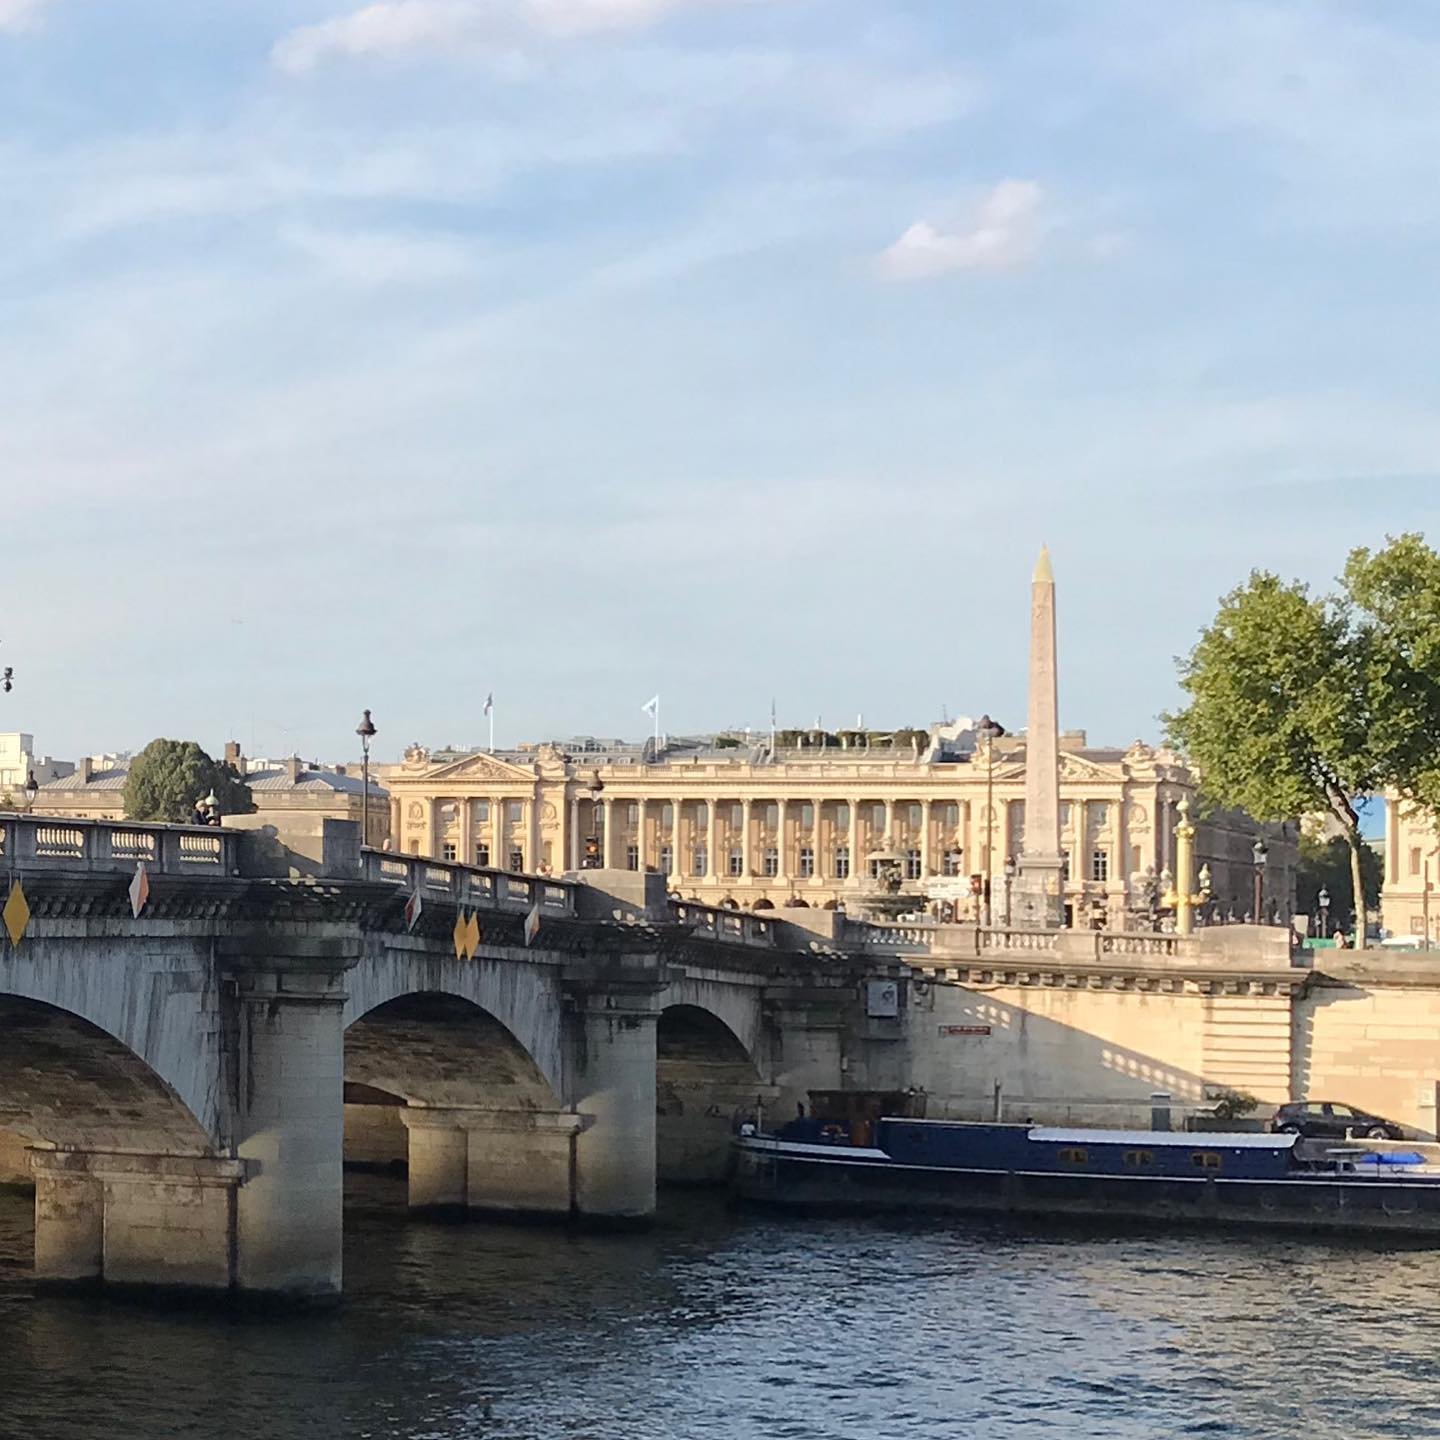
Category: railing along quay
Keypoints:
(42, 842)
(719, 922)
(468, 884)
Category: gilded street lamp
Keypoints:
(1182, 899)
(366, 731)
(989, 731)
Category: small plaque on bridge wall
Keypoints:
(882, 999)
(961, 1031)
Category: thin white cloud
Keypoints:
(420, 27)
(20, 14)
(375, 258)
(1005, 234)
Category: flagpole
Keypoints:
(492, 727)
(657, 725)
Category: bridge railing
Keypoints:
(719, 923)
(29, 842)
(469, 885)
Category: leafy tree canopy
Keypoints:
(1325, 865)
(168, 777)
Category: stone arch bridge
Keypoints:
(185, 1058)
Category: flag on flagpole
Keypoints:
(652, 706)
(532, 923)
(489, 702)
(139, 889)
(413, 906)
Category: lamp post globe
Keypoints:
(366, 731)
(1260, 854)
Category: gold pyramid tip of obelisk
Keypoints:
(1044, 575)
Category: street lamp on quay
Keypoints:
(1261, 855)
(1009, 881)
(366, 731)
(31, 790)
(989, 731)
(1323, 901)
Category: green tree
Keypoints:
(1325, 865)
(1280, 713)
(168, 777)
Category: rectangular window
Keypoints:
(1100, 865)
(697, 861)
(1064, 867)
(807, 862)
(482, 855)
(480, 810)
(1205, 1160)
(842, 862)
(1135, 857)
(872, 868)
(1099, 814)
(632, 857)
(1073, 1157)
(514, 811)
(736, 862)
(1139, 1158)
(667, 855)
(517, 860)
(953, 863)
(447, 851)
(772, 862)
(1415, 861)
(912, 864)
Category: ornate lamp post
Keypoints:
(597, 841)
(31, 789)
(366, 731)
(1009, 881)
(989, 731)
(1260, 854)
(1323, 900)
(211, 807)
(1183, 899)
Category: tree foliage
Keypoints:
(168, 777)
(1299, 703)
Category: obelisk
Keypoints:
(1039, 889)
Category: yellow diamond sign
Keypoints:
(459, 934)
(472, 935)
(16, 913)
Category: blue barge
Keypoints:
(1213, 1179)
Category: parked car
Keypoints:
(1327, 1119)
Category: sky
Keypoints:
(734, 350)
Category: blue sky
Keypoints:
(580, 349)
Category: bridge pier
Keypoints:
(612, 1035)
(508, 1162)
(288, 1118)
(809, 1046)
(136, 1220)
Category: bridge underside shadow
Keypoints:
(129, 1187)
(705, 1084)
(439, 1087)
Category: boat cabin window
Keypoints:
(1072, 1156)
(1205, 1160)
(1139, 1158)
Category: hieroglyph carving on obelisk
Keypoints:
(1039, 888)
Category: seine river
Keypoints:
(716, 1326)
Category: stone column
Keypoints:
(925, 867)
(816, 836)
(782, 843)
(288, 1118)
(611, 1035)
(1037, 899)
(746, 815)
(677, 865)
(428, 848)
(889, 838)
(711, 836)
(499, 847)
(854, 838)
(607, 832)
(396, 822)
(573, 838)
(640, 847)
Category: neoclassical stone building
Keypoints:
(1408, 897)
(728, 820)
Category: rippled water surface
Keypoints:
(713, 1325)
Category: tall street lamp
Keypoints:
(989, 731)
(31, 790)
(366, 731)
(1009, 881)
(1260, 854)
(1323, 900)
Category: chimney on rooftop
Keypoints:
(86, 769)
(233, 757)
(293, 767)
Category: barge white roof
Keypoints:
(1191, 1140)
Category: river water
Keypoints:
(717, 1325)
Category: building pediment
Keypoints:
(1072, 767)
(481, 767)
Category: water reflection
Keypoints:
(712, 1326)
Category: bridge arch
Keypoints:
(706, 1082)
